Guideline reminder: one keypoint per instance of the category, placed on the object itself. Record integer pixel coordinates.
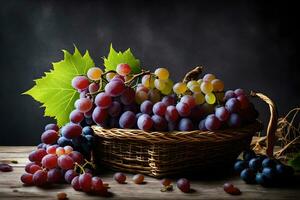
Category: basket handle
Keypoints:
(272, 125)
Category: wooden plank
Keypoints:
(11, 187)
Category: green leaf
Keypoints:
(295, 162)
(54, 90)
(114, 58)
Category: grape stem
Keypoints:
(88, 162)
(82, 171)
(130, 81)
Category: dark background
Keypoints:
(248, 44)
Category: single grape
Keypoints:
(52, 127)
(159, 123)
(209, 77)
(76, 116)
(87, 130)
(28, 165)
(159, 108)
(199, 98)
(39, 178)
(127, 120)
(244, 101)
(171, 114)
(103, 100)
(234, 120)
(65, 162)
(148, 81)
(80, 82)
(284, 171)
(270, 173)
(159, 84)
(69, 175)
(229, 94)
(99, 115)
(109, 76)
(268, 163)
(218, 85)
(85, 181)
(162, 73)
(34, 168)
(169, 100)
(62, 141)
(168, 87)
(37, 155)
(94, 73)
(222, 113)
(202, 126)
(71, 130)
(232, 105)
(154, 95)
(75, 183)
(118, 77)
(166, 182)
(141, 87)
(49, 137)
(128, 96)
(239, 92)
(189, 100)
(179, 88)
(97, 184)
(115, 87)
(115, 109)
(54, 175)
(206, 87)
(49, 161)
(68, 149)
(146, 107)
(27, 179)
(240, 165)
(210, 98)
(230, 189)
(248, 175)
(212, 122)
(183, 109)
(184, 185)
(255, 164)
(145, 122)
(77, 157)
(140, 97)
(261, 179)
(60, 151)
(120, 177)
(138, 179)
(94, 87)
(123, 69)
(185, 124)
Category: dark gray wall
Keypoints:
(248, 44)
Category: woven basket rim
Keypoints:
(177, 136)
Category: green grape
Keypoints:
(206, 87)
(210, 98)
(94, 73)
(148, 81)
(109, 76)
(159, 84)
(190, 84)
(195, 88)
(179, 88)
(199, 97)
(162, 73)
(200, 81)
(168, 88)
(218, 85)
(209, 77)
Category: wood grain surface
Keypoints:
(12, 188)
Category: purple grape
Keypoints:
(71, 130)
(115, 87)
(171, 114)
(93, 87)
(76, 116)
(222, 113)
(51, 127)
(159, 108)
(229, 94)
(183, 109)
(232, 105)
(169, 100)
(172, 126)
(212, 122)
(55, 175)
(201, 125)
(127, 96)
(189, 100)
(234, 120)
(115, 109)
(185, 124)
(145, 122)
(99, 115)
(127, 120)
(239, 92)
(146, 107)
(103, 100)
(159, 123)
(69, 175)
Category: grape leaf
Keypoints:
(295, 162)
(114, 58)
(54, 90)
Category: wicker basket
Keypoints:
(163, 153)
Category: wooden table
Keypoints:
(12, 188)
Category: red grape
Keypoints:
(27, 179)
(49, 137)
(37, 155)
(40, 177)
(212, 122)
(34, 168)
(115, 87)
(159, 123)
(76, 116)
(77, 157)
(69, 175)
(171, 114)
(244, 101)
(185, 124)
(50, 161)
(99, 115)
(75, 183)
(123, 69)
(54, 175)
(52, 127)
(184, 185)
(120, 177)
(52, 149)
(146, 107)
(183, 109)
(103, 100)
(83, 104)
(65, 162)
(159, 108)
(93, 87)
(127, 120)
(5, 168)
(169, 100)
(71, 130)
(115, 109)
(80, 82)
(85, 181)
(222, 113)
(145, 122)
(166, 182)
(97, 184)
(128, 96)
(138, 179)
(189, 100)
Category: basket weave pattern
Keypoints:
(158, 154)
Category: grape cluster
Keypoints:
(58, 159)
(263, 170)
